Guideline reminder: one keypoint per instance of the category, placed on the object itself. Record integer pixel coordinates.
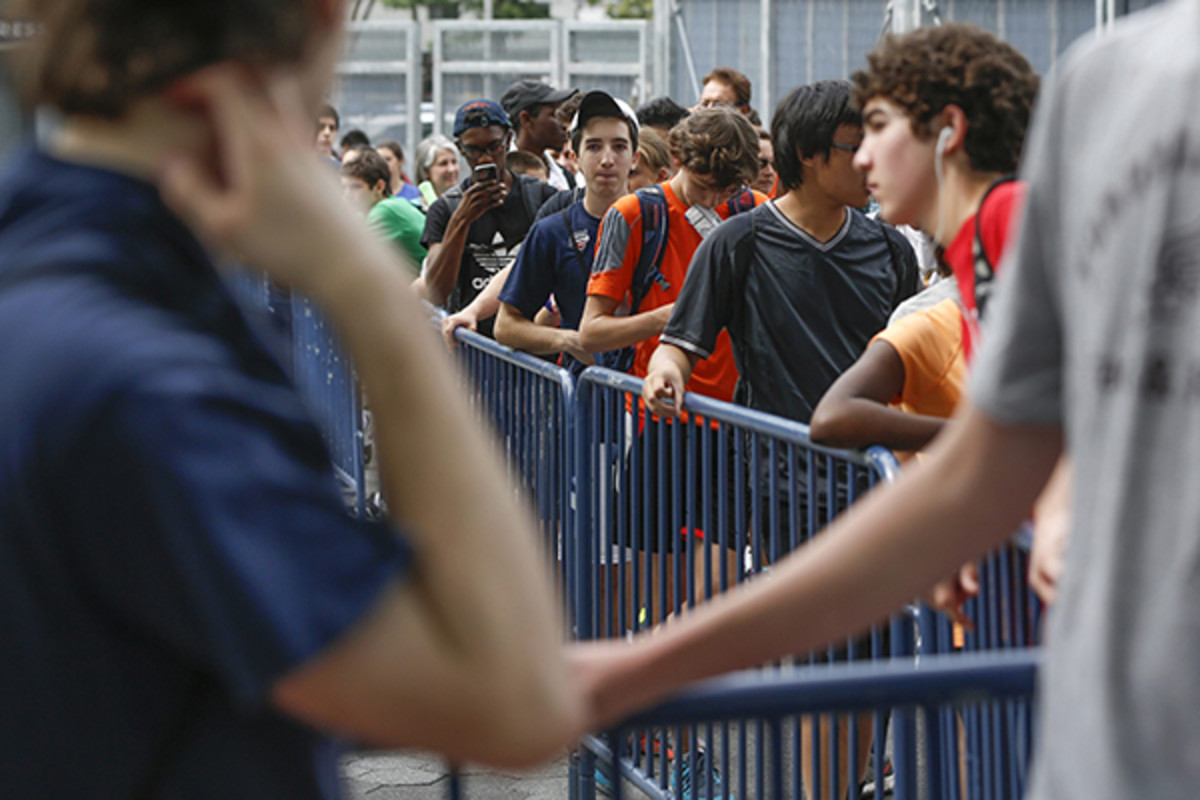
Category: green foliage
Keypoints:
(503, 9)
(631, 9)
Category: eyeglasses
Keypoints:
(764, 163)
(849, 148)
(492, 148)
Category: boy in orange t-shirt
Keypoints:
(717, 153)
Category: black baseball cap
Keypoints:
(526, 94)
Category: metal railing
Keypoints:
(325, 378)
(643, 519)
(529, 404)
(671, 513)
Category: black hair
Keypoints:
(354, 139)
(804, 125)
(661, 112)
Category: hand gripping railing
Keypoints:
(671, 513)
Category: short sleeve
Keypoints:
(400, 223)
(436, 220)
(929, 343)
(1018, 375)
(706, 303)
(531, 281)
(618, 248)
(208, 520)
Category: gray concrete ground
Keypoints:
(415, 776)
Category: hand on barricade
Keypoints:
(601, 670)
(255, 190)
(949, 595)
(1050, 536)
(463, 319)
(1051, 531)
(663, 390)
(571, 346)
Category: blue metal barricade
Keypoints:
(941, 685)
(983, 752)
(671, 513)
(529, 403)
(325, 378)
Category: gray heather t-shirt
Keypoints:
(1097, 325)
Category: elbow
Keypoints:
(831, 426)
(503, 330)
(587, 336)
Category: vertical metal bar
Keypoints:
(439, 98)
(412, 43)
(766, 59)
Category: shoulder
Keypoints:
(71, 347)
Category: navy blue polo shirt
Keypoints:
(169, 520)
(556, 259)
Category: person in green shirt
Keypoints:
(366, 182)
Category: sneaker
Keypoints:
(604, 785)
(704, 784)
(889, 783)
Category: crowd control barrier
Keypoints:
(940, 685)
(325, 379)
(672, 512)
(528, 403)
(982, 752)
(644, 518)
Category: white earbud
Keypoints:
(938, 152)
(943, 139)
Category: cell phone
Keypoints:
(486, 172)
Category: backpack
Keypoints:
(648, 270)
(985, 271)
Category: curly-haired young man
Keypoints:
(942, 139)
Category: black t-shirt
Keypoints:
(493, 240)
(799, 311)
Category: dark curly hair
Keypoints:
(717, 142)
(94, 57)
(956, 64)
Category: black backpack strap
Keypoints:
(985, 271)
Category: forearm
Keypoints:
(668, 357)
(445, 258)
(476, 555)
(882, 552)
(858, 422)
(601, 332)
(515, 331)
